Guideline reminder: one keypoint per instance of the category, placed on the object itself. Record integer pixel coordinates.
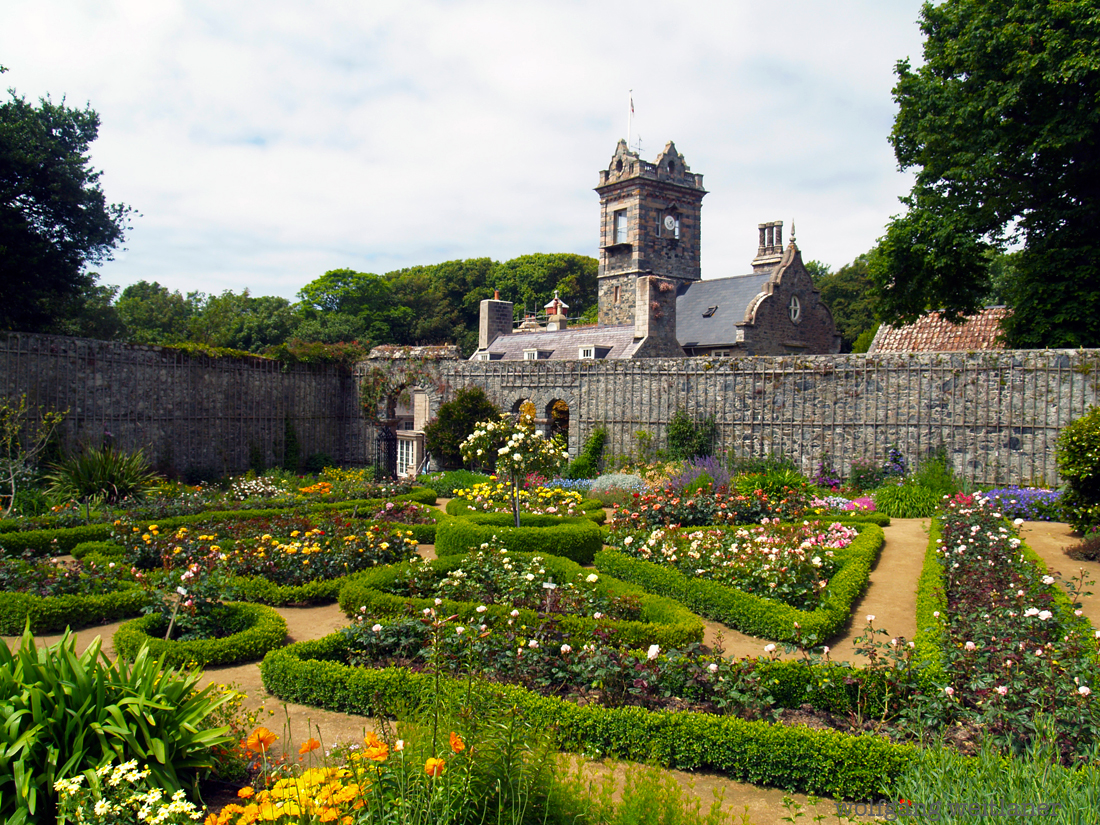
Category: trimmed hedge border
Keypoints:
(798, 759)
(664, 621)
(572, 537)
(591, 508)
(931, 639)
(52, 614)
(61, 540)
(264, 630)
(756, 615)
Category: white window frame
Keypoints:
(530, 355)
(586, 353)
(621, 226)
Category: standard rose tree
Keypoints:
(518, 449)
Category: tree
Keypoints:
(54, 218)
(153, 315)
(444, 434)
(1001, 125)
(530, 281)
(242, 322)
(847, 294)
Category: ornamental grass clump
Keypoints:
(1016, 646)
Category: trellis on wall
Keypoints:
(998, 414)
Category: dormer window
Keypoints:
(587, 353)
(530, 355)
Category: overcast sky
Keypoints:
(266, 142)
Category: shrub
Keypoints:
(578, 539)
(697, 473)
(66, 712)
(936, 474)
(865, 474)
(1088, 549)
(254, 630)
(587, 464)
(446, 483)
(101, 548)
(688, 438)
(907, 499)
(617, 482)
(317, 462)
(52, 614)
(775, 483)
(751, 464)
(455, 420)
(101, 474)
(1078, 459)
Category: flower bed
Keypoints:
(284, 549)
(1007, 642)
(755, 614)
(581, 603)
(53, 594)
(706, 507)
(796, 758)
(494, 497)
(251, 631)
(791, 563)
(578, 539)
(1028, 503)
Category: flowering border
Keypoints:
(752, 614)
(800, 759)
(668, 623)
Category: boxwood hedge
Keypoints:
(798, 759)
(575, 538)
(52, 614)
(663, 621)
(752, 614)
(259, 629)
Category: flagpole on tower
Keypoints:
(629, 119)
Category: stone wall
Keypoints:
(998, 414)
(193, 414)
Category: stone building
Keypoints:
(653, 301)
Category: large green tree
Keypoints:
(153, 314)
(1001, 125)
(847, 294)
(54, 217)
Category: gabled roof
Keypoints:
(565, 344)
(730, 296)
(934, 334)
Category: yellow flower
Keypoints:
(434, 767)
(245, 792)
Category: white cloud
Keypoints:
(264, 143)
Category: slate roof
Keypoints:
(731, 296)
(933, 334)
(565, 344)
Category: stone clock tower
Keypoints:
(649, 225)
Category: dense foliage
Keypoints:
(1079, 465)
(453, 423)
(999, 122)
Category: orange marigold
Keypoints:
(457, 745)
(434, 767)
(311, 744)
(260, 740)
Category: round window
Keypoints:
(794, 309)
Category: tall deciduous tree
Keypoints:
(54, 218)
(1001, 124)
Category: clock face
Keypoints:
(670, 222)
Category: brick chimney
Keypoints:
(770, 251)
(655, 318)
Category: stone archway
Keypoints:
(557, 419)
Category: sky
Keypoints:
(264, 143)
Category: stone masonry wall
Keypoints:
(191, 413)
(998, 414)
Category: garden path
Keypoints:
(890, 597)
